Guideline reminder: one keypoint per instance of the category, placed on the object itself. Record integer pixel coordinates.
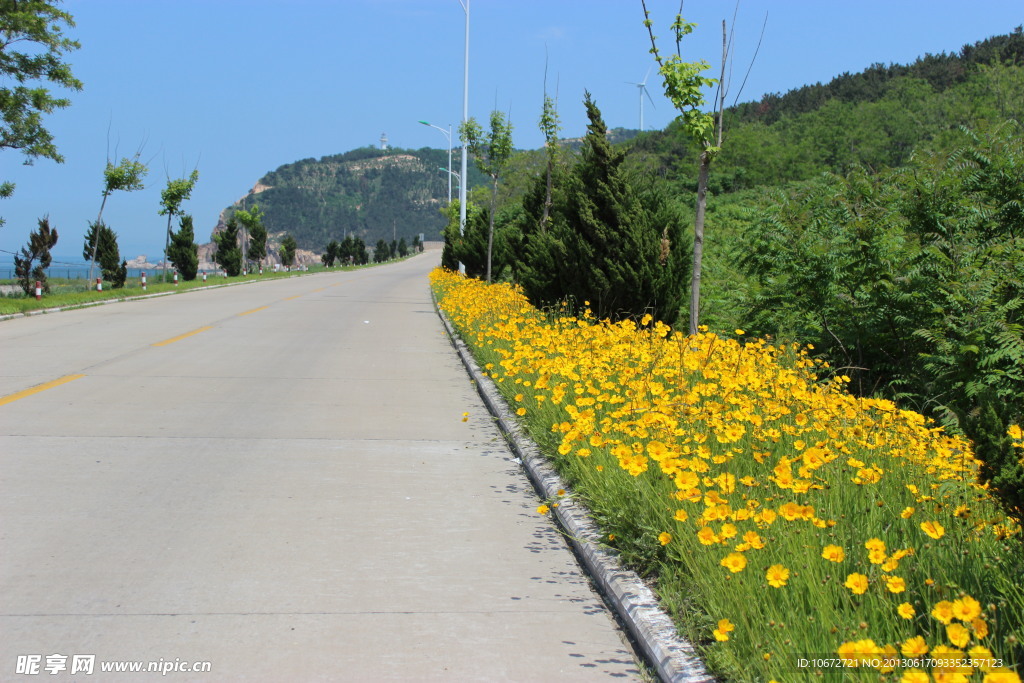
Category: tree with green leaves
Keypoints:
(183, 251)
(684, 86)
(910, 283)
(403, 248)
(40, 243)
(550, 126)
(101, 245)
(491, 154)
(228, 254)
(451, 236)
(127, 176)
(39, 27)
(535, 253)
(331, 253)
(176, 192)
(287, 251)
(618, 240)
(381, 252)
(255, 233)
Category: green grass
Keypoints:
(65, 293)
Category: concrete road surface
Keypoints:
(273, 482)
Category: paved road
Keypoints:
(275, 478)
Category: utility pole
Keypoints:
(465, 117)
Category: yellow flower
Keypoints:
(907, 512)
(753, 540)
(521, 411)
(895, 584)
(906, 610)
(682, 515)
(914, 676)
(734, 562)
(980, 627)
(1001, 676)
(958, 635)
(857, 583)
(1015, 433)
(777, 576)
(722, 632)
(966, 608)
(543, 510)
(707, 536)
(914, 647)
(833, 553)
(664, 538)
(933, 529)
(465, 417)
(943, 611)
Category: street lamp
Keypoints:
(447, 134)
(465, 118)
(450, 174)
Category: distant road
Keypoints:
(274, 479)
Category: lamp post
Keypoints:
(465, 118)
(450, 174)
(447, 134)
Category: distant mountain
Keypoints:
(372, 193)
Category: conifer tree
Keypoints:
(228, 254)
(183, 251)
(101, 245)
(381, 253)
(287, 251)
(256, 233)
(331, 253)
(619, 246)
(40, 242)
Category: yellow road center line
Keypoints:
(35, 390)
(294, 297)
(253, 310)
(182, 336)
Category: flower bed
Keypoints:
(791, 526)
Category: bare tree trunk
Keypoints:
(490, 231)
(167, 244)
(698, 240)
(547, 198)
(96, 233)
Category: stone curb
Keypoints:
(672, 657)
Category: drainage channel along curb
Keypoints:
(673, 658)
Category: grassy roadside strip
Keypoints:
(82, 295)
(783, 518)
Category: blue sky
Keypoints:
(239, 87)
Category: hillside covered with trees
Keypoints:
(368, 193)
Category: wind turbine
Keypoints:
(642, 87)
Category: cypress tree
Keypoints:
(183, 251)
(39, 244)
(101, 241)
(228, 254)
(615, 245)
